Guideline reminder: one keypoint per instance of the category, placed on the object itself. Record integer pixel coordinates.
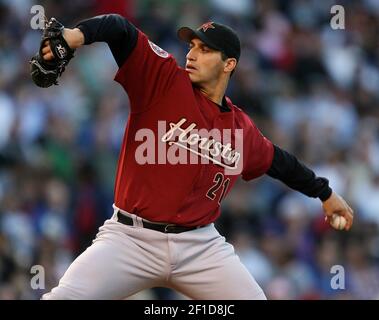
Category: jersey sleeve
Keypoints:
(119, 33)
(147, 74)
(258, 153)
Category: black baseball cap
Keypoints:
(215, 35)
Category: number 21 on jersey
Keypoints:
(219, 183)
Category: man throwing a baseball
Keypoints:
(184, 147)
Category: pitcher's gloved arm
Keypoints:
(53, 56)
(73, 37)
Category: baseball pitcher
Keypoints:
(184, 147)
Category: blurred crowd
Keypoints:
(312, 90)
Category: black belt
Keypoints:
(165, 228)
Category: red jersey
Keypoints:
(167, 118)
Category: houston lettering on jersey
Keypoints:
(202, 143)
(214, 149)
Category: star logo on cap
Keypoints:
(207, 25)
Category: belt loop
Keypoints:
(139, 222)
(135, 219)
(115, 212)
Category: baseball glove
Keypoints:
(45, 73)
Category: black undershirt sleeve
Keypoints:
(120, 35)
(288, 169)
